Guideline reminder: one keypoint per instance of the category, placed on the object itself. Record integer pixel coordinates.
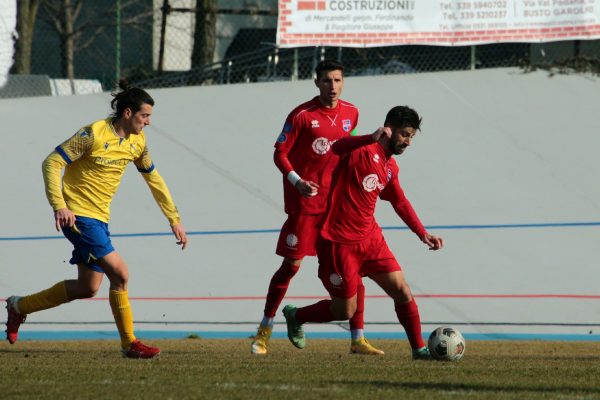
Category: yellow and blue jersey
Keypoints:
(94, 160)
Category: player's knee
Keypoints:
(118, 283)
(85, 291)
(402, 294)
(289, 269)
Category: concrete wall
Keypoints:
(505, 169)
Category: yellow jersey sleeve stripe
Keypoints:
(63, 154)
(146, 170)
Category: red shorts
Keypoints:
(341, 266)
(299, 234)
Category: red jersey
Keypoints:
(362, 176)
(304, 146)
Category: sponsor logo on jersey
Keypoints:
(105, 146)
(335, 279)
(321, 145)
(281, 138)
(314, 123)
(109, 161)
(291, 240)
(346, 125)
(389, 175)
(371, 182)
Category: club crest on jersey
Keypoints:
(314, 123)
(346, 125)
(321, 145)
(376, 158)
(371, 182)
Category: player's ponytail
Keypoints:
(129, 97)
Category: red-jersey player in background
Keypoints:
(352, 244)
(303, 155)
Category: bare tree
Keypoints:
(205, 34)
(26, 16)
(78, 31)
(63, 15)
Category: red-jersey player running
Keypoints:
(352, 243)
(303, 155)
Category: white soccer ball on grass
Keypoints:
(446, 344)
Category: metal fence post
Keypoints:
(166, 8)
(118, 43)
(295, 65)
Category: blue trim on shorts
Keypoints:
(64, 155)
(91, 241)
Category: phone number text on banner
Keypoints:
(365, 23)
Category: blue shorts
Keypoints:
(91, 241)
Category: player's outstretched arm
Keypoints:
(180, 235)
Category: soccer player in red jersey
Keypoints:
(352, 244)
(304, 157)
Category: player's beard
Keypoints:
(397, 147)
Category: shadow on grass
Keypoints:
(470, 387)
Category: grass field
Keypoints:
(225, 369)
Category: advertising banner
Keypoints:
(369, 23)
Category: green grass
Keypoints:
(225, 369)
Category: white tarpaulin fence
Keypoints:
(8, 20)
(370, 23)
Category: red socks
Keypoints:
(278, 287)
(318, 312)
(408, 315)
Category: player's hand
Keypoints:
(64, 217)
(383, 131)
(307, 188)
(180, 235)
(434, 242)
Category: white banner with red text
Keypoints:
(370, 23)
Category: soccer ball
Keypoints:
(446, 344)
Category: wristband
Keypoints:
(293, 177)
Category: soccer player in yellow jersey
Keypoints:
(94, 160)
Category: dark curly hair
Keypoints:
(129, 97)
(403, 117)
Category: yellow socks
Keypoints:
(119, 303)
(57, 295)
(49, 298)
